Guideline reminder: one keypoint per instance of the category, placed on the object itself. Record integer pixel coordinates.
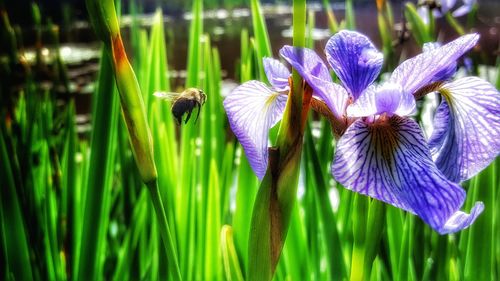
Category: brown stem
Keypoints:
(339, 125)
(420, 93)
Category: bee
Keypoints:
(184, 102)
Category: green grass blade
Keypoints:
(350, 17)
(480, 264)
(261, 35)
(104, 126)
(232, 268)
(311, 23)
(330, 235)
(213, 268)
(395, 225)
(14, 238)
(246, 192)
(69, 181)
(131, 239)
(419, 30)
(332, 21)
(194, 47)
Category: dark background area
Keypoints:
(54, 9)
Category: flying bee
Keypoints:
(184, 102)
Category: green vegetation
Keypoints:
(188, 206)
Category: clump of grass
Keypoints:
(77, 209)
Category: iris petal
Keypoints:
(390, 161)
(354, 59)
(446, 5)
(252, 109)
(444, 74)
(466, 135)
(423, 69)
(277, 74)
(314, 71)
(387, 98)
(306, 61)
(464, 9)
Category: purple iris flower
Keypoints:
(381, 152)
(445, 6)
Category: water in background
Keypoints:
(80, 49)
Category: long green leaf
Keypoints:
(100, 171)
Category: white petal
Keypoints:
(421, 70)
(252, 109)
(466, 138)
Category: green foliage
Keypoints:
(100, 175)
(420, 31)
(76, 209)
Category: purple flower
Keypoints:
(382, 152)
(254, 108)
(445, 6)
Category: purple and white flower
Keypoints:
(445, 6)
(254, 108)
(382, 152)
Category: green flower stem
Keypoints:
(134, 113)
(332, 21)
(277, 193)
(455, 24)
(103, 17)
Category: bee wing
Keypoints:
(166, 95)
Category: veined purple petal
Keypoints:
(334, 95)
(312, 69)
(354, 59)
(444, 74)
(387, 98)
(390, 161)
(252, 109)
(306, 62)
(466, 137)
(423, 69)
(277, 74)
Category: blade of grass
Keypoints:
(213, 268)
(187, 184)
(350, 18)
(261, 35)
(332, 21)
(131, 239)
(232, 268)
(480, 265)
(99, 171)
(14, 238)
(419, 30)
(326, 215)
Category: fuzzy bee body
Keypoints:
(184, 103)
